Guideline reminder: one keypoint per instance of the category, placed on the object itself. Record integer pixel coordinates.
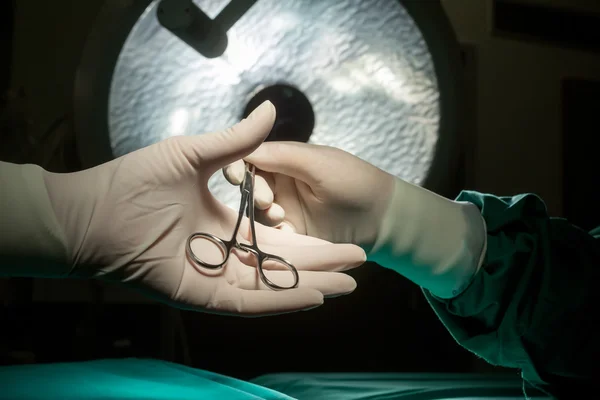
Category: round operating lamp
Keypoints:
(377, 78)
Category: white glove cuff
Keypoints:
(32, 242)
(437, 243)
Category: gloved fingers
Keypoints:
(273, 216)
(331, 258)
(275, 237)
(330, 284)
(263, 195)
(268, 177)
(213, 151)
(294, 207)
(234, 172)
(253, 303)
(293, 159)
(217, 292)
(286, 227)
(263, 183)
(286, 195)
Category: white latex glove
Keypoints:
(128, 221)
(328, 193)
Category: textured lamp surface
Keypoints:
(363, 65)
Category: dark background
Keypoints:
(531, 86)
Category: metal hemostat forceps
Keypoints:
(226, 246)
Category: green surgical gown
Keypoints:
(533, 305)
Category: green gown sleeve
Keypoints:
(533, 304)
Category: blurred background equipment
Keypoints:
(356, 75)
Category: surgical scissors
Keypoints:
(226, 246)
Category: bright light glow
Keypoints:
(369, 73)
(178, 122)
(284, 22)
(344, 85)
(241, 56)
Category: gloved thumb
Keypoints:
(301, 161)
(214, 151)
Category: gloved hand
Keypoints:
(128, 221)
(328, 193)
